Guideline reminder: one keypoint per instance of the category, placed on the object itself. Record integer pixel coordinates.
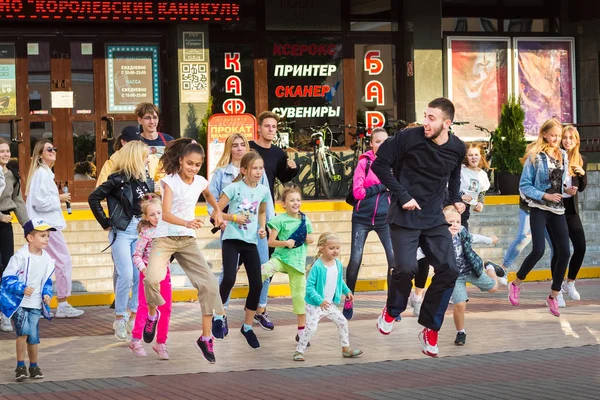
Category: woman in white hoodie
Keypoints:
(44, 202)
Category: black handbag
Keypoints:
(350, 195)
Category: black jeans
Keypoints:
(423, 273)
(436, 244)
(577, 236)
(7, 244)
(556, 225)
(359, 237)
(232, 249)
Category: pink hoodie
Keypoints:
(360, 181)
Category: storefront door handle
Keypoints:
(14, 125)
(107, 135)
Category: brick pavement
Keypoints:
(510, 353)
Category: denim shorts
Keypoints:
(484, 283)
(27, 323)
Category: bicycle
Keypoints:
(362, 141)
(326, 165)
(285, 133)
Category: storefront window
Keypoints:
(303, 15)
(232, 78)
(305, 83)
(375, 67)
(526, 25)
(469, 24)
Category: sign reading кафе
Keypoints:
(119, 11)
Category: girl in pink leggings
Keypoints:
(151, 214)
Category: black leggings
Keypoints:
(577, 236)
(7, 244)
(231, 250)
(556, 225)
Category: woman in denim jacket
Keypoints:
(228, 168)
(541, 187)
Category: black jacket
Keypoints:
(581, 183)
(119, 195)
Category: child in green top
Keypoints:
(288, 234)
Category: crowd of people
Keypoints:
(415, 190)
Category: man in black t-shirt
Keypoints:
(148, 117)
(425, 160)
(277, 164)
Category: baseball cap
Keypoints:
(130, 133)
(37, 225)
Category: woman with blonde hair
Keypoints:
(228, 168)
(576, 182)
(542, 181)
(44, 202)
(123, 191)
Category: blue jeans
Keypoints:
(522, 240)
(126, 274)
(263, 254)
(359, 237)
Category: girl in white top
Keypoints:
(44, 202)
(176, 236)
(474, 181)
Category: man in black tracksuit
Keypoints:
(424, 161)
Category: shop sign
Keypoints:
(374, 90)
(303, 15)
(8, 85)
(233, 85)
(306, 88)
(132, 77)
(119, 11)
(220, 127)
(193, 46)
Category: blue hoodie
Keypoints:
(14, 282)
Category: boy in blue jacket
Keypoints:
(26, 292)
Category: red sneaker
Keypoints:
(429, 342)
(385, 322)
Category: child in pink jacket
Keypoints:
(369, 214)
(151, 214)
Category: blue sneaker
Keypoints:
(217, 328)
(263, 321)
(250, 338)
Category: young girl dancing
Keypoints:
(578, 178)
(324, 289)
(474, 181)
(289, 236)
(247, 200)
(176, 236)
(541, 186)
(151, 214)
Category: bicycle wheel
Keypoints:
(322, 175)
(335, 174)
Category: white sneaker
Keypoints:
(384, 327)
(561, 300)
(502, 281)
(569, 288)
(67, 311)
(5, 325)
(130, 323)
(120, 327)
(416, 304)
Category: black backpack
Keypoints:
(350, 195)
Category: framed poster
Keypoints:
(132, 77)
(220, 127)
(8, 83)
(477, 81)
(545, 80)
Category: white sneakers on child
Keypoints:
(561, 300)
(415, 303)
(120, 327)
(569, 288)
(5, 325)
(67, 311)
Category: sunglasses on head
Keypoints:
(51, 149)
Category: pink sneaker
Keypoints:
(138, 348)
(161, 350)
(552, 306)
(514, 293)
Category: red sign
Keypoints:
(119, 11)
(220, 127)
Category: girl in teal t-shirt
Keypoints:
(288, 234)
(247, 218)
